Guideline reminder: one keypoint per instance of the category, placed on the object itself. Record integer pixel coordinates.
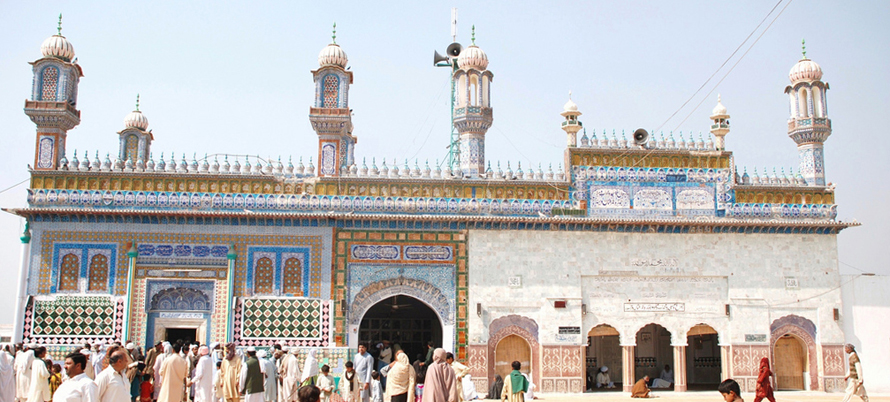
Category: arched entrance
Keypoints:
(653, 352)
(791, 363)
(509, 349)
(703, 366)
(603, 349)
(402, 320)
(178, 311)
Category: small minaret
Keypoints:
(809, 125)
(719, 125)
(330, 116)
(135, 139)
(53, 103)
(472, 113)
(572, 125)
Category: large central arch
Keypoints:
(423, 291)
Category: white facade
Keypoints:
(866, 306)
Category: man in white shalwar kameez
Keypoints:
(159, 361)
(78, 387)
(23, 362)
(291, 375)
(310, 369)
(252, 378)
(88, 370)
(113, 384)
(271, 385)
(39, 391)
(203, 377)
(7, 374)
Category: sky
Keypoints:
(234, 78)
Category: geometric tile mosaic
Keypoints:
(74, 320)
(295, 322)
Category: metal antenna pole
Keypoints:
(453, 147)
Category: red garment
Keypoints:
(145, 391)
(764, 384)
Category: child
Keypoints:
(55, 379)
(730, 391)
(325, 383)
(376, 389)
(146, 390)
(218, 382)
(349, 385)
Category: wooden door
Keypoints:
(510, 349)
(789, 363)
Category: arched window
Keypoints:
(331, 95)
(49, 82)
(69, 272)
(292, 277)
(132, 148)
(474, 91)
(98, 273)
(265, 276)
(804, 104)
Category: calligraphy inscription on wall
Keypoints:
(654, 307)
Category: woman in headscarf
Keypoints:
(494, 392)
(400, 381)
(764, 385)
(7, 374)
(203, 377)
(159, 361)
(439, 384)
(310, 369)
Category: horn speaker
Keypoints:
(438, 58)
(454, 49)
(641, 136)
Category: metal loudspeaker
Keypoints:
(641, 137)
(438, 58)
(454, 49)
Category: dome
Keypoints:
(472, 57)
(57, 46)
(719, 109)
(332, 55)
(136, 120)
(805, 70)
(570, 106)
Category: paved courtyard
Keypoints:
(785, 396)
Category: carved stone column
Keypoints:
(680, 368)
(725, 363)
(628, 367)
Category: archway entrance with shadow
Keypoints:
(401, 320)
(703, 368)
(790, 364)
(603, 350)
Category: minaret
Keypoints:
(719, 125)
(331, 117)
(809, 125)
(135, 139)
(472, 113)
(53, 103)
(572, 125)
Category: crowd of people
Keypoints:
(173, 372)
(177, 372)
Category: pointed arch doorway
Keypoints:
(402, 320)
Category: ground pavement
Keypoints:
(782, 396)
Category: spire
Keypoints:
(59, 28)
(334, 35)
(803, 47)
(473, 35)
(137, 102)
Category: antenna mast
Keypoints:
(453, 159)
(453, 24)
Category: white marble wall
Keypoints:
(763, 277)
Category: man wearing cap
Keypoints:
(23, 372)
(78, 387)
(291, 374)
(88, 369)
(271, 384)
(252, 381)
(113, 386)
(854, 376)
(202, 380)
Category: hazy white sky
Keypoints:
(235, 78)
